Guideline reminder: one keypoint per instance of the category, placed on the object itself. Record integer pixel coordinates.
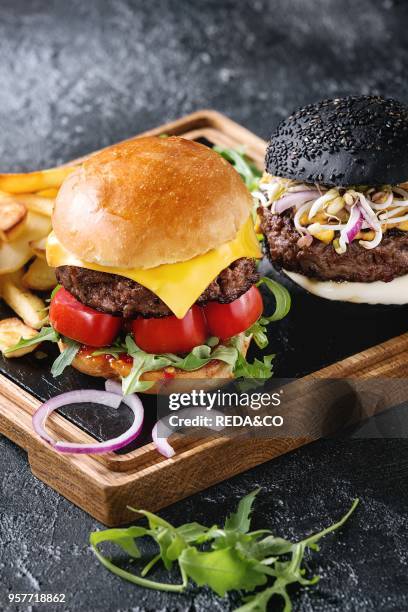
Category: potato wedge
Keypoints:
(39, 276)
(37, 204)
(14, 255)
(29, 307)
(38, 247)
(11, 331)
(13, 215)
(34, 181)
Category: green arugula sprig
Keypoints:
(147, 362)
(49, 334)
(282, 307)
(249, 173)
(228, 558)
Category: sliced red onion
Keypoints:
(294, 199)
(161, 443)
(368, 213)
(112, 386)
(113, 400)
(353, 226)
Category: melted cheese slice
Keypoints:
(179, 285)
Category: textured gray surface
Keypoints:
(79, 75)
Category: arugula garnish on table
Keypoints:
(227, 558)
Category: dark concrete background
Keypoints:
(75, 76)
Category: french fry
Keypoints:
(13, 215)
(48, 193)
(11, 330)
(38, 247)
(34, 181)
(39, 276)
(29, 307)
(14, 255)
(35, 203)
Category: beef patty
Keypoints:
(121, 296)
(383, 263)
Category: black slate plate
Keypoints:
(315, 334)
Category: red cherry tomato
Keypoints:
(170, 334)
(78, 322)
(227, 320)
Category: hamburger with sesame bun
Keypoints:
(155, 253)
(334, 199)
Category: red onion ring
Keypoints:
(113, 400)
(296, 198)
(368, 213)
(353, 226)
(161, 443)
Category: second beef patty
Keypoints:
(383, 263)
(121, 296)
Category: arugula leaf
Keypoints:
(282, 307)
(241, 519)
(282, 299)
(45, 334)
(65, 358)
(311, 540)
(122, 537)
(249, 172)
(223, 570)
(259, 602)
(259, 370)
(289, 572)
(194, 532)
(147, 362)
(54, 291)
(237, 560)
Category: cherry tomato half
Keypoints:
(170, 334)
(78, 322)
(227, 320)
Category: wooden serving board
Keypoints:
(319, 339)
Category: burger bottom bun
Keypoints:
(211, 375)
(378, 292)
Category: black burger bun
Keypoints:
(357, 140)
